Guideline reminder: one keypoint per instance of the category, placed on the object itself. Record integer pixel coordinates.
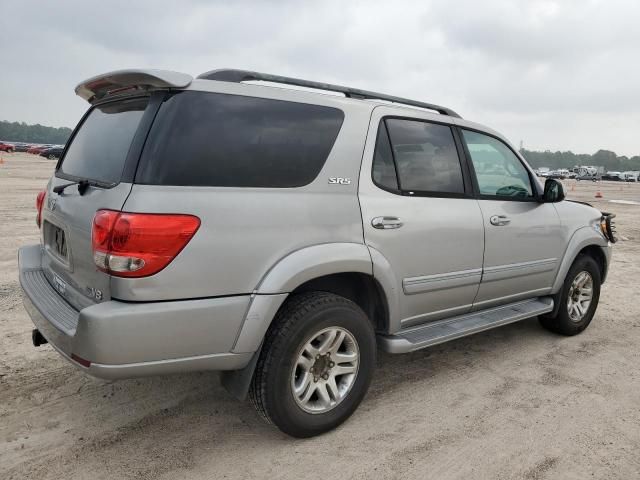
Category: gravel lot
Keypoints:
(516, 402)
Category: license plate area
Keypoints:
(55, 241)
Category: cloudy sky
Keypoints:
(557, 75)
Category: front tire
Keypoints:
(579, 298)
(315, 365)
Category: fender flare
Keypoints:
(316, 261)
(290, 272)
(581, 238)
(273, 289)
(383, 273)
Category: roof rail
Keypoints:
(237, 76)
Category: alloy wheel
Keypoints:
(580, 296)
(325, 370)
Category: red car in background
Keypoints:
(7, 147)
(38, 149)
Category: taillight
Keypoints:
(39, 205)
(139, 244)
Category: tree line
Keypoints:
(22, 132)
(602, 158)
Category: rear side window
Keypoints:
(212, 139)
(425, 156)
(99, 148)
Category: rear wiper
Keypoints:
(82, 186)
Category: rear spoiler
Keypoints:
(121, 81)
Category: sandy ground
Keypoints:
(516, 402)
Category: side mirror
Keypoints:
(553, 191)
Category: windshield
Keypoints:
(99, 148)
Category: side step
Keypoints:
(441, 331)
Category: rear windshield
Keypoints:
(99, 149)
(212, 139)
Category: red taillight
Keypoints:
(39, 204)
(139, 244)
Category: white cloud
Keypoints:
(556, 74)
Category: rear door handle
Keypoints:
(386, 223)
(499, 220)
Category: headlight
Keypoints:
(607, 227)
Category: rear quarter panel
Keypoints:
(246, 231)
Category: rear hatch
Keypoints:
(103, 151)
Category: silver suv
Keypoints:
(282, 235)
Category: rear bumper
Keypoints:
(124, 340)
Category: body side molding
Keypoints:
(440, 281)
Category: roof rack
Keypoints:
(237, 76)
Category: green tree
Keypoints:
(602, 158)
(22, 132)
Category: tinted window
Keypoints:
(99, 148)
(211, 139)
(384, 171)
(498, 170)
(426, 156)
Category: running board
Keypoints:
(441, 331)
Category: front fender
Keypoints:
(581, 238)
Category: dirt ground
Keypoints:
(516, 402)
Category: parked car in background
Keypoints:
(593, 178)
(542, 171)
(558, 174)
(52, 153)
(630, 176)
(7, 147)
(38, 149)
(614, 176)
(22, 147)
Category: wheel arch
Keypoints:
(361, 288)
(595, 252)
(312, 262)
(345, 269)
(341, 268)
(584, 241)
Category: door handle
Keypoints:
(499, 220)
(386, 223)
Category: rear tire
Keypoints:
(578, 300)
(315, 365)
